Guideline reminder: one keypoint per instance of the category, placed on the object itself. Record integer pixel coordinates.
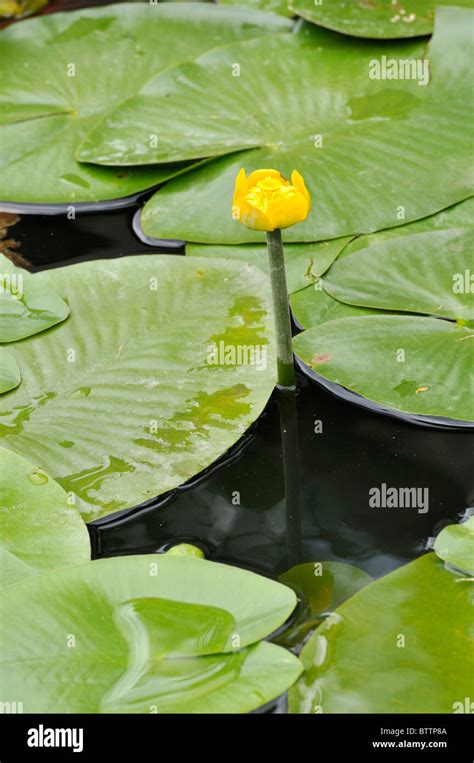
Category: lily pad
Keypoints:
(276, 6)
(374, 153)
(26, 306)
(413, 364)
(64, 71)
(455, 544)
(383, 19)
(388, 650)
(315, 305)
(304, 262)
(143, 386)
(10, 375)
(39, 530)
(419, 273)
(323, 586)
(145, 634)
(312, 306)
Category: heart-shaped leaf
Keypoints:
(304, 262)
(143, 386)
(304, 101)
(72, 68)
(455, 544)
(144, 634)
(315, 305)
(419, 273)
(39, 530)
(10, 375)
(384, 19)
(26, 306)
(410, 363)
(389, 650)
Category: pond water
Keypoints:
(236, 510)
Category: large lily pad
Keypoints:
(388, 649)
(414, 364)
(315, 305)
(391, 151)
(418, 273)
(455, 544)
(26, 306)
(383, 19)
(126, 399)
(304, 262)
(39, 530)
(63, 72)
(10, 375)
(144, 634)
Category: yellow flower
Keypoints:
(265, 200)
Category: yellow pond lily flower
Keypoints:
(265, 200)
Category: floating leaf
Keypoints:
(10, 375)
(26, 306)
(152, 634)
(383, 19)
(276, 6)
(419, 273)
(72, 68)
(143, 386)
(388, 649)
(322, 586)
(410, 363)
(374, 153)
(455, 544)
(39, 530)
(313, 306)
(304, 262)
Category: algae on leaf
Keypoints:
(143, 386)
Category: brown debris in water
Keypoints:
(8, 246)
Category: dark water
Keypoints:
(355, 451)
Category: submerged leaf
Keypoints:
(455, 544)
(400, 645)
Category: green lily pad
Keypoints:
(143, 386)
(400, 645)
(383, 19)
(39, 530)
(72, 68)
(323, 586)
(145, 634)
(304, 101)
(455, 544)
(10, 375)
(304, 262)
(419, 273)
(313, 306)
(26, 306)
(414, 364)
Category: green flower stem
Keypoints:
(290, 449)
(281, 310)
